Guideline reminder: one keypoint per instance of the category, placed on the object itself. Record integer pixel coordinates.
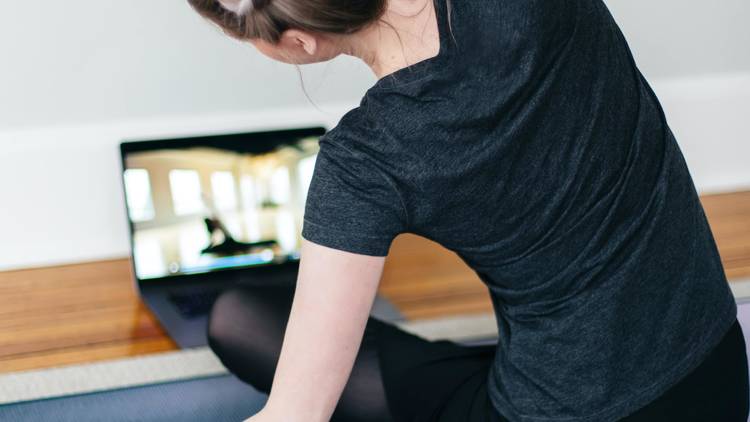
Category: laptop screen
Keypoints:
(220, 202)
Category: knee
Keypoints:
(228, 339)
(248, 317)
(245, 331)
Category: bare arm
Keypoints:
(332, 301)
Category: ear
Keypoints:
(296, 39)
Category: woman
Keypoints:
(521, 135)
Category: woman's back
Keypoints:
(533, 148)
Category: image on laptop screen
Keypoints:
(216, 203)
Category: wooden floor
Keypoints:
(89, 312)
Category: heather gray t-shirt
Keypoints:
(533, 147)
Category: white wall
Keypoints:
(88, 61)
(679, 38)
(710, 118)
(78, 77)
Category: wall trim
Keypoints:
(67, 204)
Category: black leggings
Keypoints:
(398, 376)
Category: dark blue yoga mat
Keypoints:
(214, 399)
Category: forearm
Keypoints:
(321, 342)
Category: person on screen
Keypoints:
(220, 238)
(521, 135)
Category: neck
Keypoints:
(406, 34)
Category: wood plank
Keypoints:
(729, 217)
(77, 313)
(86, 353)
(87, 312)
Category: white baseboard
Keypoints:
(62, 200)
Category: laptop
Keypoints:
(209, 213)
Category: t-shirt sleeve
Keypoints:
(351, 205)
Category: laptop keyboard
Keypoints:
(195, 304)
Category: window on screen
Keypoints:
(224, 193)
(186, 192)
(249, 195)
(138, 194)
(280, 185)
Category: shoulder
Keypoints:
(357, 140)
(355, 127)
(351, 204)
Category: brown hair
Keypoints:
(268, 19)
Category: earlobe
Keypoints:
(304, 40)
(308, 43)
